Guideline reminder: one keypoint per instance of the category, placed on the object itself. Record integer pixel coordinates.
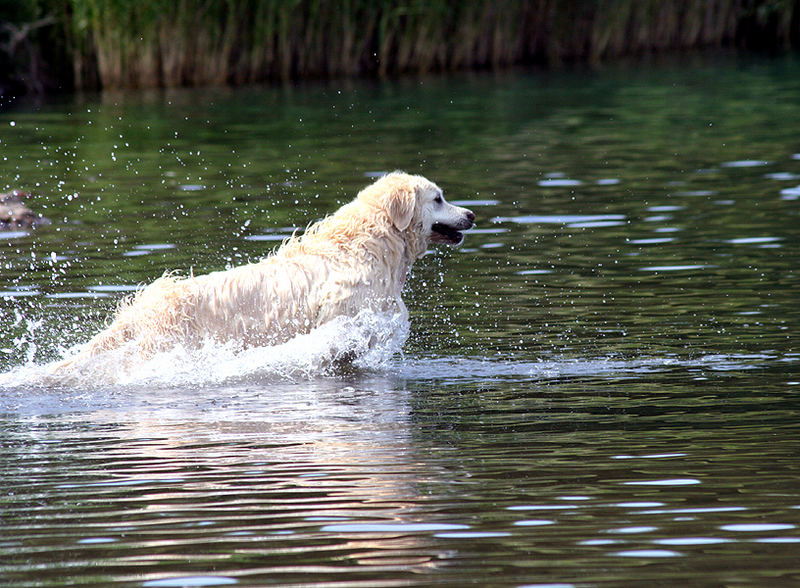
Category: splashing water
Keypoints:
(365, 342)
(27, 340)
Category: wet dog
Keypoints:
(355, 259)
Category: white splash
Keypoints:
(365, 342)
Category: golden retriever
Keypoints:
(355, 259)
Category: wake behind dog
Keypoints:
(352, 262)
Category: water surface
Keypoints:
(599, 388)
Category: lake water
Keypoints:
(600, 387)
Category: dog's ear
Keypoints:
(395, 194)
(400, 205)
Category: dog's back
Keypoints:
(357, 259)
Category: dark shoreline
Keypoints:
(48, 46)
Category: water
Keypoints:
(600, 387)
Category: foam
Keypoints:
(365, 342)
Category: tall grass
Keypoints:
(134, 43)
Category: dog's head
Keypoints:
(417, 208)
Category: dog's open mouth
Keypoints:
(446, 234)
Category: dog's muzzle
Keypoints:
(451, 234)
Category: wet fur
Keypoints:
(355, 259)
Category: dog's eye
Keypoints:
(438, 199)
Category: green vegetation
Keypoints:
(140, 43)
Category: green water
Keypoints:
(600, 387)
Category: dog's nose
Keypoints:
(471, 216)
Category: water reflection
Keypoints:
(255, 465)
(395, 475)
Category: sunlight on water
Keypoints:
(455, 369)
(190, 582)
(567, 219)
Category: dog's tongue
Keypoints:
(450, 233)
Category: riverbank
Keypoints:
(47, 45)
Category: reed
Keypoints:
(135, 43)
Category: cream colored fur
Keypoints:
(355, 259)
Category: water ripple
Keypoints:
(648, 553)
